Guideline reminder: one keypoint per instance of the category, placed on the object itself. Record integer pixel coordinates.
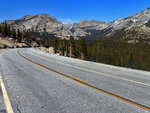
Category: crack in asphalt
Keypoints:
(18, 108)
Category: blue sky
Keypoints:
(72, 10)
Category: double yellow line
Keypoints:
(85, 83)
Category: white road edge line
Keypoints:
(88, 70)
(5, 96)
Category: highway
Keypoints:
(38, 82)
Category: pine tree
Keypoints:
(83, 48)
(66, 47)
(19, 36)
(14, 34)
(5, 30)
(28, 37)
(62, 47)
(55, 45)
(8, 31)
(0, 29)
(72, 48)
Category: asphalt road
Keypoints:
(34, 89)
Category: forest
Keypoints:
(109, 51)
(8, 31)
(113, 51)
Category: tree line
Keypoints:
(108, 51)
(8, 31)
(120, 53)
(70, 48)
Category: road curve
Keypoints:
(34, 89)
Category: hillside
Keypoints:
(44, 25)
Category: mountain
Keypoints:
(135, 23)
(45, 25)
(42, 25)
(85, 27)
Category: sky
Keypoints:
(69, 11)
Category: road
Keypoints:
(38, 82)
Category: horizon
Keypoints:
(100, 10)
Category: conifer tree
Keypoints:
(19, 35)
(55, 45)
(66, 47)
(14, 34)
(5, 29)
(62, 47)
(8, 31)
(72, 48)
(0, 29)
(83, 48)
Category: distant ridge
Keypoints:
(45, 25)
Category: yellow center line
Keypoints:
(82, 82)
(96, 72)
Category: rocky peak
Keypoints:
(42, 24)
(148, 8)
(137, 19)
(27, 17)
(90, 23)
